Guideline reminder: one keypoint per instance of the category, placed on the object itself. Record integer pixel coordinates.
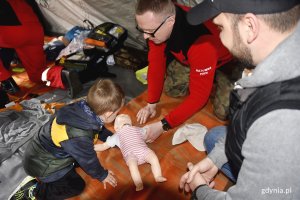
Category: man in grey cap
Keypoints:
(259, 150)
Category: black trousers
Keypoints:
(68, 186)
(7, 55)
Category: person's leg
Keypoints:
(7, 55)
(17, 37)
(152, 159)
(225, 77)
(220, 95)
(33, 59)
(177, 80)
(135, 173)
(7, 83)
(68, 186)
(3, 98)
(210, 139)
(28, 41)
(4, 73)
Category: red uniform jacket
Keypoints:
(197, 47)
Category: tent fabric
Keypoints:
(63, 15)
(16, 130)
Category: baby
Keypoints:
(130, 140)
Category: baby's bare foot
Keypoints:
(160, 179)
(139, 187)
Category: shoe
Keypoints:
(71, 81)
(10, 86)
(26, 190)
(3, 98)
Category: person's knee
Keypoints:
(152, 158)
(213, 135)
(210, 136)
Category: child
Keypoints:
(68, 139)
(130, 139)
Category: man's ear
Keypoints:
(171, 20)
(251, 23)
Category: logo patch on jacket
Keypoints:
(203, 72)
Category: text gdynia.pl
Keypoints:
(278, 190)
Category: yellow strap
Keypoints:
(96, 138)
(58, 133)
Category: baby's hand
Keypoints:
(110, 179)
(101, 147)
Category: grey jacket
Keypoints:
(271, 166)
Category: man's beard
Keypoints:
(240, 51)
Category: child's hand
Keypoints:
(110, 179)
(101, 147)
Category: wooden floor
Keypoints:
(173, 159)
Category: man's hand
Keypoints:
(110, 179)
(197, 180)
(153, 131)
(206, 168)
(199, 174)
(146, 112)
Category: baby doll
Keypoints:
(130, 140)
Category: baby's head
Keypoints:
(122, 120)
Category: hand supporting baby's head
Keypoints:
(121, 120)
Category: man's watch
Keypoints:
(165, 125)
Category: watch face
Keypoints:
(165, 125)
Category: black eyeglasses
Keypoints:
(153, 33)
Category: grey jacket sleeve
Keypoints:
(217, 155)
(271, 166)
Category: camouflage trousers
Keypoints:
(224, 80)
(177, 80)
(177, 84)
(220, 95)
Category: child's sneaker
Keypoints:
(26, 190)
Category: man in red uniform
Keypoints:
(21, 30)
(170, 37)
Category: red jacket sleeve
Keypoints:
(156, 71)
(202, 58)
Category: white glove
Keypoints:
(194, 133)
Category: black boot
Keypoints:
(10, 86)
(3, 99)
(71, 82)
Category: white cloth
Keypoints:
(194, 133)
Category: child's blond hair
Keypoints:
(105, 96)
